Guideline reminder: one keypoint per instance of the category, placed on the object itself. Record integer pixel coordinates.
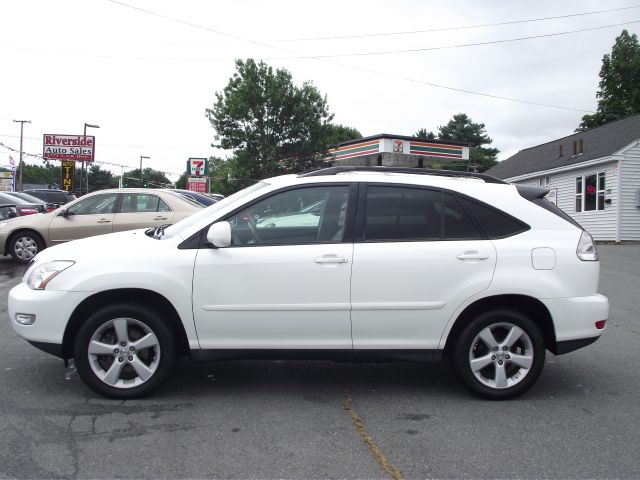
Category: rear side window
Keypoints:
(400, 213)
(458, 225)
(496, 224)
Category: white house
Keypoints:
(594, 176)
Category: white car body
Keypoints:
(384, 296)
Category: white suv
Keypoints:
(388, 263)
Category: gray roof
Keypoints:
(597, 143)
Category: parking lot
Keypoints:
(327, 420)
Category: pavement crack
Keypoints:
(73, 448)
(359, 425)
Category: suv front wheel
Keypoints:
(500, 354)
(124, 351)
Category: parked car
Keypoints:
(48, 207)
(24, 207)
(51, 195)
(96, 213)
(401, 264)
(200, 198)
(8, 211)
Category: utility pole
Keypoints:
(82, 166)
(141, 157)
(21, 122)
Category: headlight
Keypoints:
(43, 274)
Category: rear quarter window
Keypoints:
(495, 223)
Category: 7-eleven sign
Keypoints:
(197, 167)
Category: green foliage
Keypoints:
(229, 176)
(424, 134)
(152, 178)
(182, 181)
(100, 179)
(619, 88)
(273, 126)
(463, 129)
(41, 175)
(336, 133)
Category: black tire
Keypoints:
(119, 367)
(495, 360)
(24, 245)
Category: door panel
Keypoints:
(404, 293)
(285, 281)
(142, 210)
(273, 297)
(73, 227)
(91, 215)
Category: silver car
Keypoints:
(96, 213)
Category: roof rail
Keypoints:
(415, 171)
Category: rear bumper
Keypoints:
(571, 345)
(574, 320)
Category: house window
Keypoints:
(590, 192)
(543, 181)
(577, 147)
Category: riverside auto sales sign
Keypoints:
(68, 147)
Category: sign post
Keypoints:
(197, 175)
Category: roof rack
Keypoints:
(414, 171)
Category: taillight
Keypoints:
(586, 250)
(600, 324)
(28, 211)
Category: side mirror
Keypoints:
(219, 234)
(64, 212)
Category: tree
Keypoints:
(41, 175)
(150, 178)
(337, 133)
(619, 88)
(100, 179)
(424, 134)
(463, 129)
(277, 126)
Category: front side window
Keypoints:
(590, 190)
(142, 202)
(95, 205)
(305, 215)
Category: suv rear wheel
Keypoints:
(124, 351)
(500, 354)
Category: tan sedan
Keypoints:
(96, 213)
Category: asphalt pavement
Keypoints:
(246, 419)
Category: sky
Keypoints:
(146, 70)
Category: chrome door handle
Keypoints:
(473, 256)
(330, 259)
(104, 220)
(160, 218)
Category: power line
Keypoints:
(462, 45)
(464, 27)
(446, 87)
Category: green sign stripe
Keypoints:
(436, 150)
(356, 149)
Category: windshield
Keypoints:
(210, 211)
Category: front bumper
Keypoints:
(52, 310)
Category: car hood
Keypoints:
(107, 248)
